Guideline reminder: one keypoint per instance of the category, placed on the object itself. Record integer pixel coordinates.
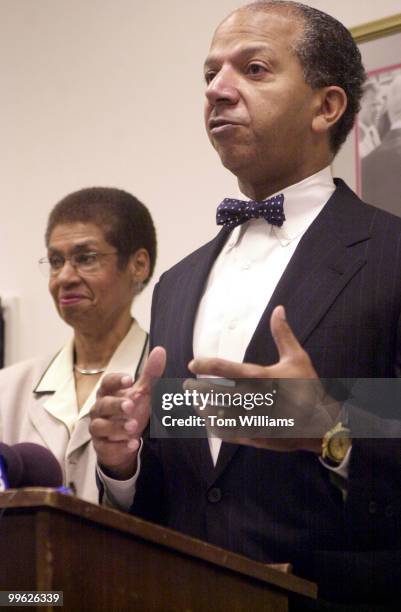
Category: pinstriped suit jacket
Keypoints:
(342, 294)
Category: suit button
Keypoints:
(389, 511)
(214, 495)
(372, 507)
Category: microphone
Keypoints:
(28, 465)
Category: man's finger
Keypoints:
(286, 343)
(108, 430)
(109, 406)
(226, 369)
(112, 383)
(154, 367)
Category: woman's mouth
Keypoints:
(70, 299)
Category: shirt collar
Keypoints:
(123, 360)
(302, 203)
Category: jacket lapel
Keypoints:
(189, 286)
(227, 452)
(326, 259)
(80, 436)
(40, 411)
(53, 436)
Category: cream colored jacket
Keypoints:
(38, 404)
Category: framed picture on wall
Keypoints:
(370, 160)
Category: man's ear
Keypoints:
(331, 103)
(139, 266)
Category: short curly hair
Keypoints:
(328, 55)
(126, 222)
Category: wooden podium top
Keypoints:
(19, 500)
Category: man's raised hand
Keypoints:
(121, 414)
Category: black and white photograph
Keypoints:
(379, 138)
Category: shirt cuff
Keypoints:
(342, 469)
(119, 494)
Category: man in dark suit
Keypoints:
(283, 87)
(381, 169)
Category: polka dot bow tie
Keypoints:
(235, 212)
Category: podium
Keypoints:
(105, 560)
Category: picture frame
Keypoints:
(366, 162)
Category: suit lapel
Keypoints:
(189, 287)
(227, 452)
(322, 265)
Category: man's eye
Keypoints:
(256, 69)
(209, 76)
(85, 259)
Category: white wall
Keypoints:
(107, 92)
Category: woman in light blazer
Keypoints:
(101, 251)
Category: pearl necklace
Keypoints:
(89, 371)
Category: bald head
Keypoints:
(286, 8)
